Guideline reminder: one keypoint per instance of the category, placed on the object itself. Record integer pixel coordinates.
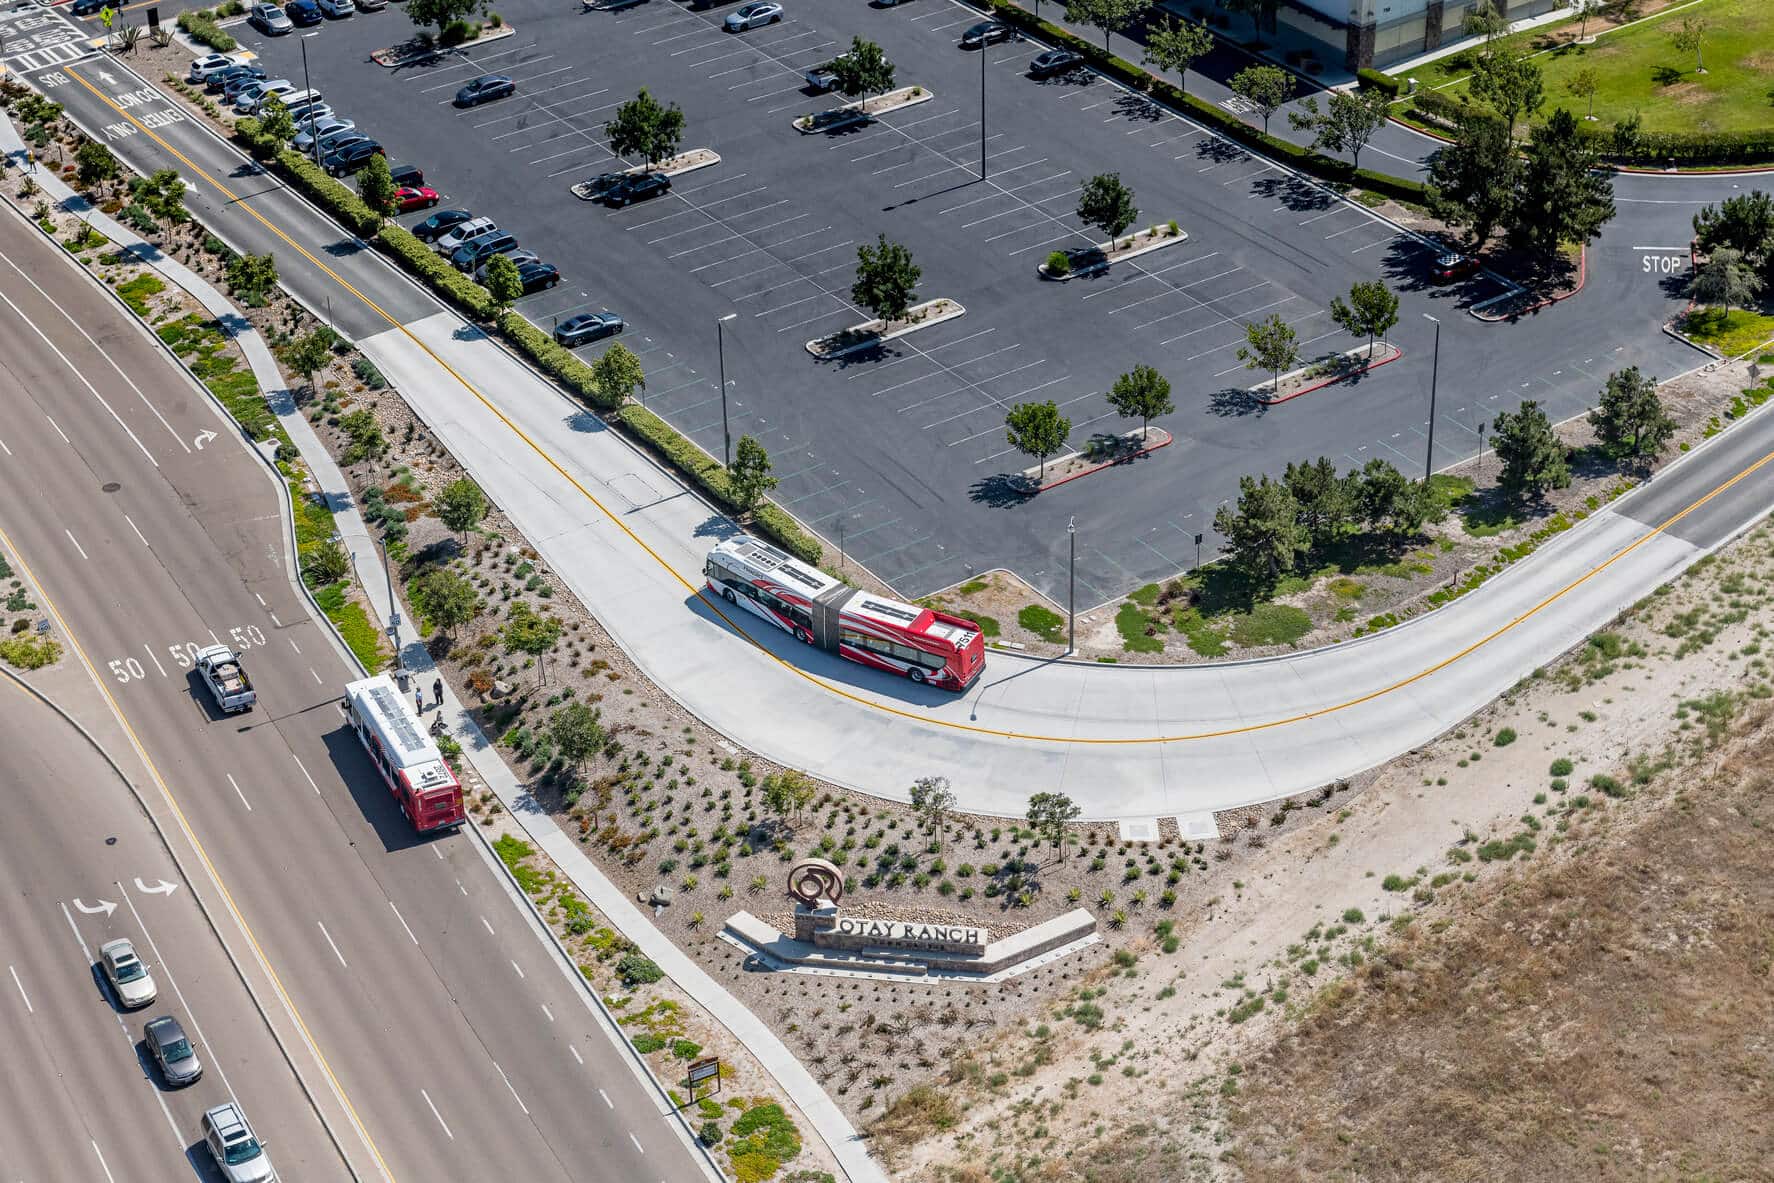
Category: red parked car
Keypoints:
(1453, 265)
(411, 197)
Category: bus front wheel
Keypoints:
(916, 675)
(731, 598)
(803, 636)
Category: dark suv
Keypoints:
(638, 187)
(350, 157)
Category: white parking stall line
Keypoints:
(655, 221)
(991, 217)
(701, 27)
(813, 319)
(928, 176)
(915, 159)
(707, 205)
(1032, 184)
(1378, 242)
(1335, 209)
(1035, 246)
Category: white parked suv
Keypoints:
(239, 1155)
(471, 229)
(253, 97)
(210, 63)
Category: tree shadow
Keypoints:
(1234, 402)
(717, 526)
(1218, 151)
(1299, 195)
(584, 422)
(1138, 107)
(1665, 75)
(1002, 490)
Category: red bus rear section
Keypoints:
(409, 762)
(917, 643)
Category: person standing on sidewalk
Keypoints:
(419, 699)
(437, 691)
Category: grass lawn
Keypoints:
(1732, 332)
(1639, 69)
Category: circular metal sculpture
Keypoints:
(814, 879)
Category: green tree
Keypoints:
(439, 13)
(1418, 504)
(1534, 458)
(1321, 499)
(788, 792)
(1725, 281)
(1745, 223)
(1050, 815)
(325, 563)
(1107, 204)
(749, 478)
(275, 121)
(162, 193)
(1271, 345)
(307, 355)
(446, 598)
(96, 164)
(933, 801)
(1473, 181)
(1379, 488)
(1263, 534)
(1110, 16)
(460, 507)
(1141, 393)
(886, 279)
(1583, 84)
(1631, 420)
(252, 277)
(531, 634)
(1037, 429)
(617, 375)
(1564, 197)
(644, 128)
(1371, 310)
(1483, 20)
(1348, 122)
(375, 184)
(577, 733)
(1267, 88)
(1690, 37)
(1585, 10)
(863, 70)
(1627, 136)
(1174, 46)
(1511, 85)
(504, 284)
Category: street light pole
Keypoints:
(400, 671)
(1072, 588)
(721, 351)
(982, 112)
(1434, 372)
(313, 140)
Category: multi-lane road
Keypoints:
(440, 1036)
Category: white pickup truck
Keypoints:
(220, 669)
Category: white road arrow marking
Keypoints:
(203, 437)
(105, 906)
(160, 887)
(107, 79)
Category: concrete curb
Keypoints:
(1111, 257)
(876, 339)
(1096, 468)
(859, 115)
(392, 59)
(1352, 374)
(1582, 279)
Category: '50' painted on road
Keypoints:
(183, 654)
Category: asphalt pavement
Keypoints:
(450, 1041)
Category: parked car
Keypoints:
(349, 158)
(408, 198)
(253, 97)
(519, 258)
(87, 7)
(537, 275)
(753, 16)
(440, 223)
(598, 187)
(1054, 63)
(1452, 265)
(986, 33)
(371, 5)
(270, 20)
(301, 114)
(236, 1149)
(588, 326)
(208, 64)
(324, 127)
(335, 9)
(232, 89)
(637, 187)
(127, 973)
(303, 12)
(446, 243)
(485, 89)
(334, 140)
(821, 78)
(217, 83)
(476, 251)
(409, 175)
(171, 1050)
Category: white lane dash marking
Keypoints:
(137, 529)
(576, 1055)
(75, 541)
(237, 792)
(316, 677)
(436, 1114)
(305, 775)
(155, 660)
(460, 888)
(27, 997)
(261, 600)
(606, 1097)
(548, 1012)
(276, 621)
(329, 941)
(102, 1163)
(514, 1096)
(65, 440)
(518, 968)
(637, 1142)
(403, 921)
(292, 642)
(488, 926)
(4, 448)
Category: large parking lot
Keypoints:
(901, 453)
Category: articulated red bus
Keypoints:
(411, 766)
(919, 643)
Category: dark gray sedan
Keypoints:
(485, 89)
(588, 326)
(170, 1048)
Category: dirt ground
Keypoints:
(1526, 950)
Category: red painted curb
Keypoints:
(1164, 443)
(1582, 278)
(1370, 367)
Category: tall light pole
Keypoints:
(1434, 371)
(1072, 588)
(982, 112)
(313, 140)
(721, 350)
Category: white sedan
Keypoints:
(753, 16)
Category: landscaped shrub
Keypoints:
(201, 27)
(635, 969)
(425, 263)
(1380, 80)
(1059, 263)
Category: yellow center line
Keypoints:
(166, 792)
(832, 688)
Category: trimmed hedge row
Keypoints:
(1379, 80)
(1755, 146)
(708, 474)
(201, 27)
(1304, 159)
(539, 347)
